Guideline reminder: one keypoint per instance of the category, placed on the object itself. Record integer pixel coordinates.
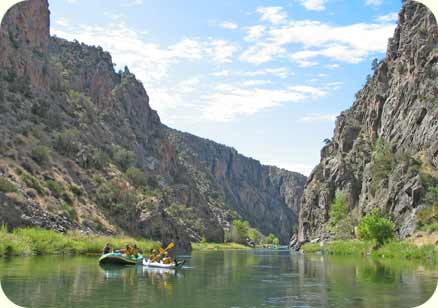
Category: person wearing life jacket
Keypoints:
(134, 251)
(128, 250)
(107, 248)
(166, 258)
(154, 257)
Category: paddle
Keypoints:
(170, 246)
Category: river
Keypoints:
(220, 279)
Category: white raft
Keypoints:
(175, 264)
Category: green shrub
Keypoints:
(67, 142)
(427, 216)
(271, 239)
(77, 190)
(381, 164)
(107, 193)
(33, 182)
(377, 228)
(136, 177)
(239, 231)
(431, 197)
(56, 188)
(254, 235)
(69, 211)
(99, 159)
(339, 209)
(68, 197)
(41, 154)
(123, 157)
(227, 236)
(6, 186)
(341, 219)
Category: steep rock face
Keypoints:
(398, 108)
(266, 196)
(71, 127)
(24, 39)
(81, 148)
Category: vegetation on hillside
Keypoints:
(341, 219)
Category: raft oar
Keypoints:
(170, 246)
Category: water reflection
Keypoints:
(257, 278)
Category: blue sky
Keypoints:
(265, 77)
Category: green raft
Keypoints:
(118, 258)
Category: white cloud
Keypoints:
(332, 65)
(63, 22)
(318, 118)
(229, 25)
(189, 85)
(352, 43)
(150, 61)
(72, 1)
(273, 14)
(373, 2)
(133, 3)
(280, 72)
(391, 17)
(221, 51)
(314, 39)
(254, 33)
(256, 82)
(223, 73)
(304, 63)
(331, 86)
(229, 101)
(314, 5)
(262, 53)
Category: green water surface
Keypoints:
(220, 279)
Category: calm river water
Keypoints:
(222, 279)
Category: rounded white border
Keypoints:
(5, 5)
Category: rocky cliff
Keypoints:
(81, 148)
(384, 152)
(266, 196)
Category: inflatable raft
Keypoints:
(175, 264)
(118, 258)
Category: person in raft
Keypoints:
(166, 258)
(134, 251)
(107, 248)
(154, 257)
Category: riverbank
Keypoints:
(218, 246)
(35, 241)
(394, 249)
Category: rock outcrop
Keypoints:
(266, 196)
(81, 148)
(395, 116)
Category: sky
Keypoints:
(267, 77)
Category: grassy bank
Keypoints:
(217, 246)
(35, 241)
(395, 249)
